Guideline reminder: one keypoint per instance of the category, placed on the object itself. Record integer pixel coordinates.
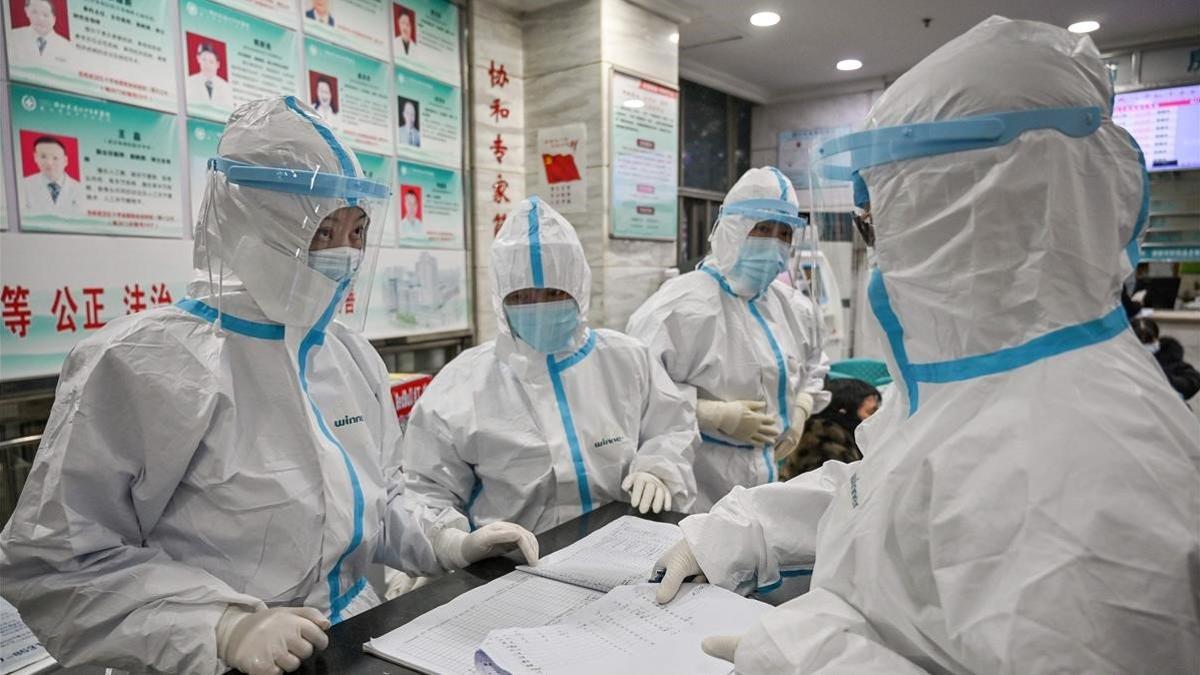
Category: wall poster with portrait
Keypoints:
(425, 38)
(350, 91)
(230, 58)
(429, 206)
(113, 50)
(430, 119)
(361, 25)
(282, 12)
(90, 166)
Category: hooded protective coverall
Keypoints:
(505, 432)
(1029, 492)
(719, 345)
(185, 468)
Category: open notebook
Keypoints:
(445, 639)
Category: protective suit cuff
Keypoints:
(804, 403)
(448, 545)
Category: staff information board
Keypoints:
(232, 58)
(110, 49)
(350, 92)
(112, 109)
(90, 166)
(645, 141)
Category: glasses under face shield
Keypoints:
(836, 181)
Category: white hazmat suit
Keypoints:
(506, 432)
(1029, 495)
(186, 468)
(718, 344)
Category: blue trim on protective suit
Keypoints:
(535, 245)
(568, 422)
(254, 329)
(781, 393)
(475, 490)
(1010, 358)
(783, 574)
(344, 162)
(716, 441)
(881, 306)
(720, 279)
(780, 387)
(783, 182)
(1003, 360)
(315, 337)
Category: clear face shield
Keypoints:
(304, 243)
(837, 186)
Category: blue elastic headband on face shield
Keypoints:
(295, 181)
(759, 210)
(910, 141)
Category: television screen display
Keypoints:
(1166, 124)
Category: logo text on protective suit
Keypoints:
(347, 420)
(607, 441)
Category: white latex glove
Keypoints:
(270, 641)
(679, 563)
(399, 583)
(721, 646)
(742, 421)
(790, 440)
(647, 492)
(456, 549)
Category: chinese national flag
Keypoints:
(560, 168)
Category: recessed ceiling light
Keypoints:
(1083, 26)
(849, 64)
(634, 103)
(674, 37)
(764, 19)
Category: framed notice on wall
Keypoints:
(430, 119)
(87, 166)
(425, 38)
(645, 161)
(279, 11)
(230, 58)
(350, 91)
(361, 25)
(120, 51)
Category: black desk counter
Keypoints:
(345, 653)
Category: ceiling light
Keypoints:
(634, 103)
(674, 37)
(1083, 26)
(764, 19)
(849, 64)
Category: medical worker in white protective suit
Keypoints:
(217, 476)
(552, 418)
(1030, 488)
(730, 337)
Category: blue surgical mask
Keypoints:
(1151, 347)
(338, 263)
(545, 326)
(760, 260)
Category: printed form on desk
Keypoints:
(625, 632)
(444, 640)
(622, 552)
